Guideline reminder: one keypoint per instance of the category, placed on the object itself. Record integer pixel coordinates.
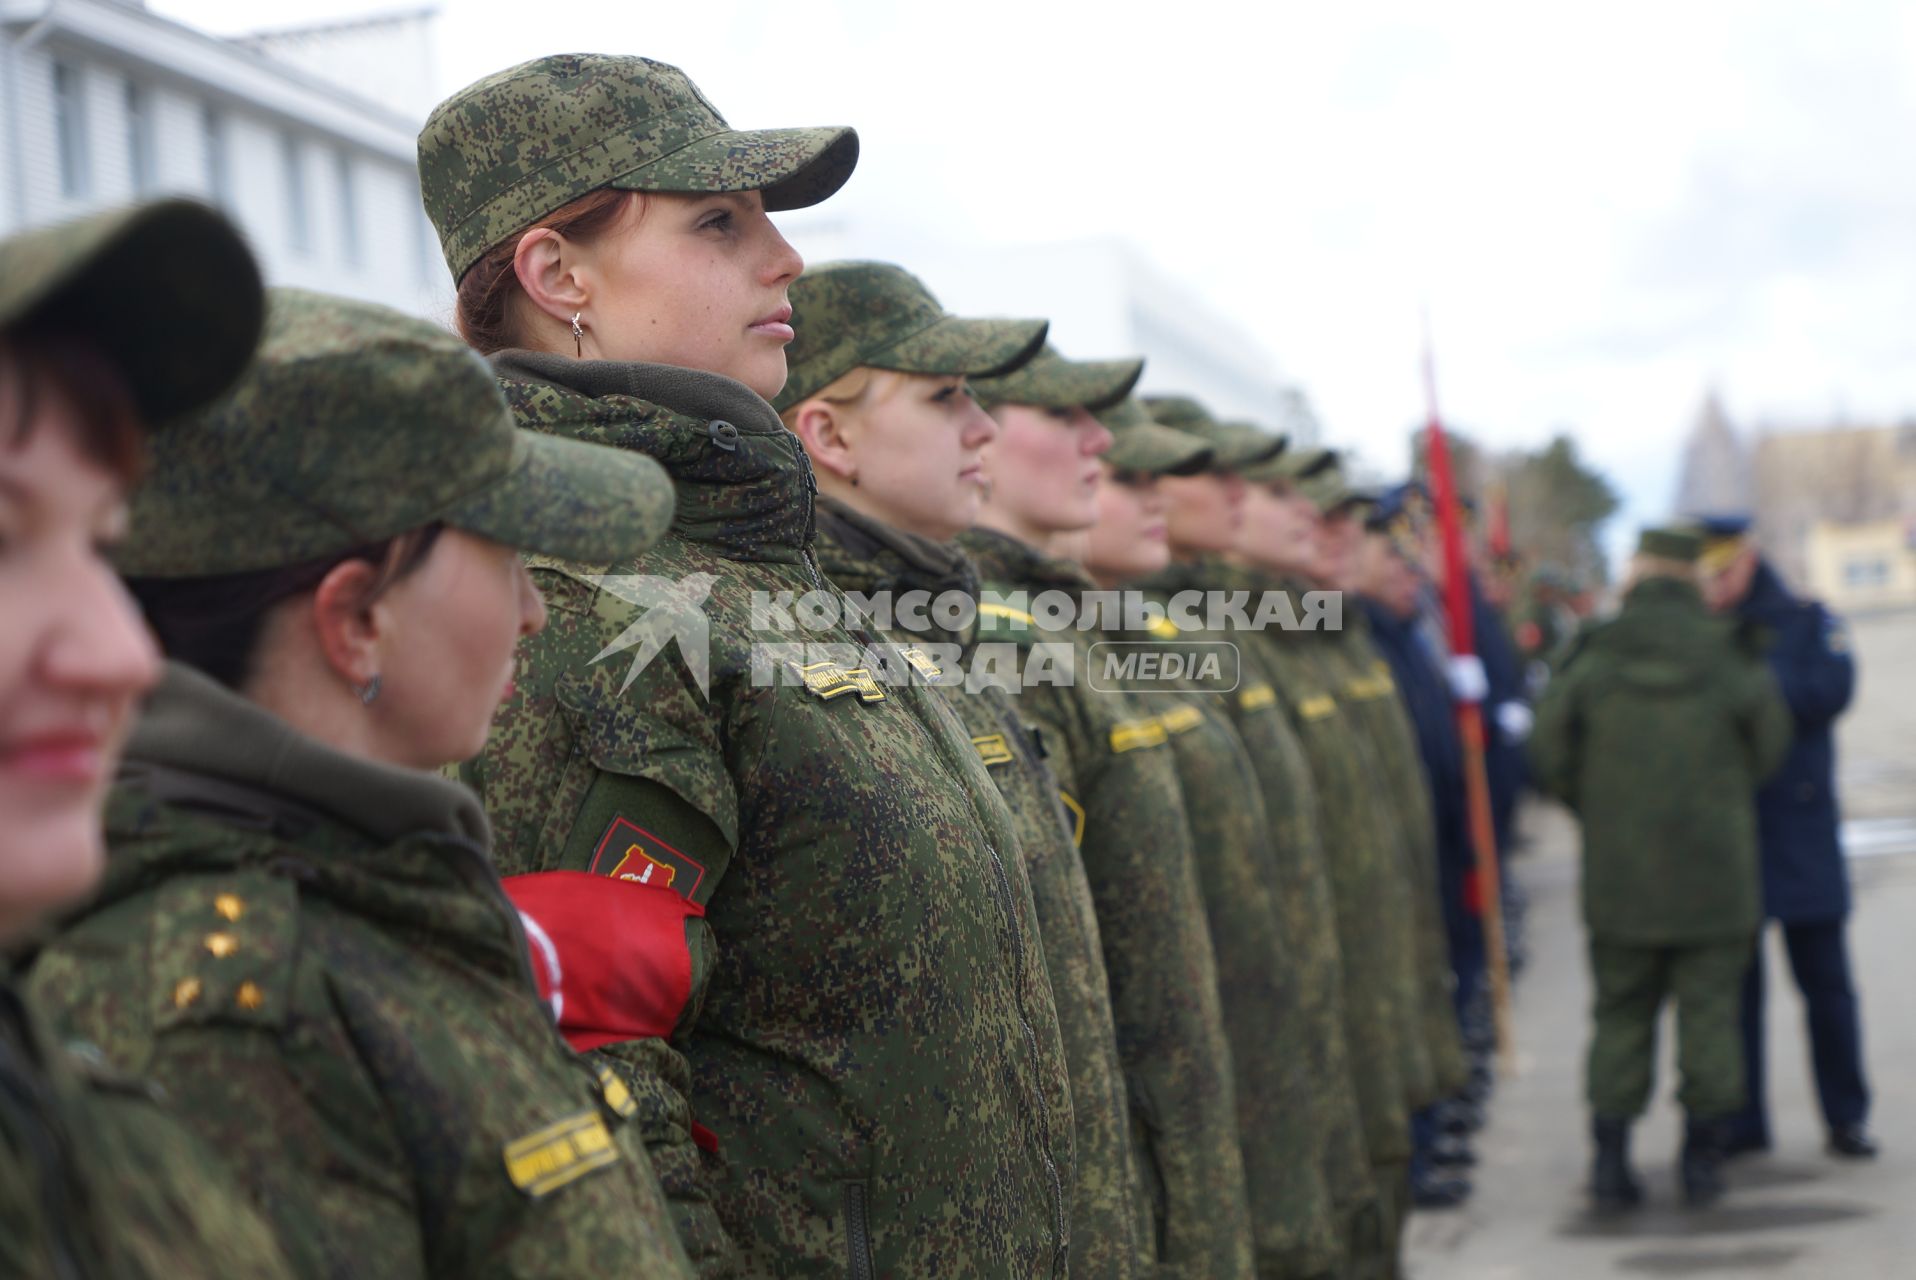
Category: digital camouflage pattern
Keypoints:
(1120, 780)
(1371, 904)
(1140, 445)
(1110, 1217)
(1234, 446)
(167, 290)
(509, 149)
(1656, 731)
(1050, 381)
(1296, 1230)
(851, 315)
(98, 1182)
(1333, 1126)
(312, 955)
(1373, 696)
(301, 460)
(868, 1031)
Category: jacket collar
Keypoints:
(865, 555)
(743, 483)
(1003, 560)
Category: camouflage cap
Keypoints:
(1140, 445)
(1681, 544)
(1293, 465)
(356, 424)
(504, 152)
(1332, 490)
(1052, 382)
(1234, 446)
(852, 315)
(167, 290)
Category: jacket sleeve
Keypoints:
(1556, 737)
(1814, 667)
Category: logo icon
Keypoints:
(673, 612)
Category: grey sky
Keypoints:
(1606, 210)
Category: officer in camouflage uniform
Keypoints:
(1268, 1009)
(306, 945)
(1119, 781)
(1370, 893)
(865, 316)
(97, 1179)
(837, 1022)
(1656, 732)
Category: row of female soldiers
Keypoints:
(692, 971)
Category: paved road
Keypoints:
(1793, 1213)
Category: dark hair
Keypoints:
(213, 624)
(37, 361)
(483, 308)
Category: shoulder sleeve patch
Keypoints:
(992, 748)
(223, 948)
(1257, 696)
(627, 851)
(1317, 707)
(1135, 735)
(561, 1153)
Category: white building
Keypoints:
(1104, 298)
(103, 102)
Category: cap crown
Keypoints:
(354, 424)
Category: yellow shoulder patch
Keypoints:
(613, 1092)
(1135, 735)
(1257, 696)
(1316, 708)
(828, 680)
(1164, 629)
(992, 748)
(1005, 612)
(921, 663)
(561, 1153)
(1181, 719)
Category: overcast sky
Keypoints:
(1607, 210)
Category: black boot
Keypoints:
(1612, 1186)
(1702, 1162)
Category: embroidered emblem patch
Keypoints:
(993, 749)
(921, 663)
(628, 851)
(549, 1158)
(1317, 708)
(828, 680)
(1133, 735)
(1181, 719)
(1256, 697)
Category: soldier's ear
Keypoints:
(826, 431)
(548, 267)
(347, 621)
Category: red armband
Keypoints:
(610, 954)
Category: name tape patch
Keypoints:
(561, 1153)
(828, 680)
(1317, 708)
(992, 748)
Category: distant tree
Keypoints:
(1557, 503)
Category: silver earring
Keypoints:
(578, 335)
(368, 691)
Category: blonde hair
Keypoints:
(859, 388)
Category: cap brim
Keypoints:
(1251, 453)
(168, 290)
(573, 500)
(793, 168)
(957, 346)
(1067, 384)
(1151, 450)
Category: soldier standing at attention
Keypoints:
(1805, 882)
(300, 934)
(1656, 731)
(108, 327)
(878, 395)
(787, 899)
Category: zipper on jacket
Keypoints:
(858, 1236)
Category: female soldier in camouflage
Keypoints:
(877, 394)
(1296, 1229)
(1120, 780)
(786, 897)
(105, 326)
(299, 933)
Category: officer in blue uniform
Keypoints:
(1805, 883)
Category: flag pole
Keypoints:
(1470, 716)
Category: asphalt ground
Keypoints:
(1795, 1212)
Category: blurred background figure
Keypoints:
(1656, 731)
(1805, 882)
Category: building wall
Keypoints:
(1856, 567)
(384, 252)
(1843, 476)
